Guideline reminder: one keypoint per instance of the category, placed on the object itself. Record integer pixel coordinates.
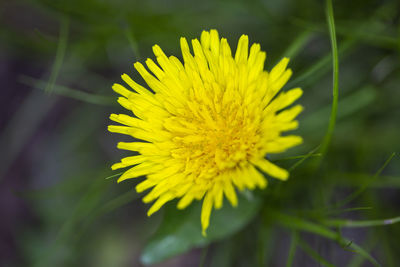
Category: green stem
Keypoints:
(292, 249)
(367, 223)
(61, 48)
(335, 63)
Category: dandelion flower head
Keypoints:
(203, 130)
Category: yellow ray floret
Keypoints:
(206, 125)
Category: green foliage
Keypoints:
(343, 191)
(179, 233)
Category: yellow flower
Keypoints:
(207, 124)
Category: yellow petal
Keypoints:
(283, 100)
(121, 90)
(278, 70)
(129, 161)
(155, 69)
(205, 40)
(159, 203)
(135, 86)
(257, 177)
(185, 201)
(206, 212)
(139, 170)
(289, 114)
(230, 193)
(218, 196)
(281, 144)
(144, 185)
(214, 42)
(242, 49)
(271, 169)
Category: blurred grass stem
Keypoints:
(61, 48)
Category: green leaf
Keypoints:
(180, 230)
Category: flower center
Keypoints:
(214, 134)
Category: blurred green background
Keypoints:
(58, 60)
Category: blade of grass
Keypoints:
(299, 224)
(354, 195)
(313, 254)
(61, 48)
(358, 260)
(133, 43)
(295, 165)
(338, 211)
(328, 211)
(386, 242)
(69, 92)
(355, 179)
(367, 223)
(348, 105)
(317, 69)
(117, 202)
(65, 187)
(335, 64)
(68, 231)
(377, 39)
(12, 138)
(292, 249)
(297, 45)
(105, 208)
(300, 157)
(114, 175)
(265, 241)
